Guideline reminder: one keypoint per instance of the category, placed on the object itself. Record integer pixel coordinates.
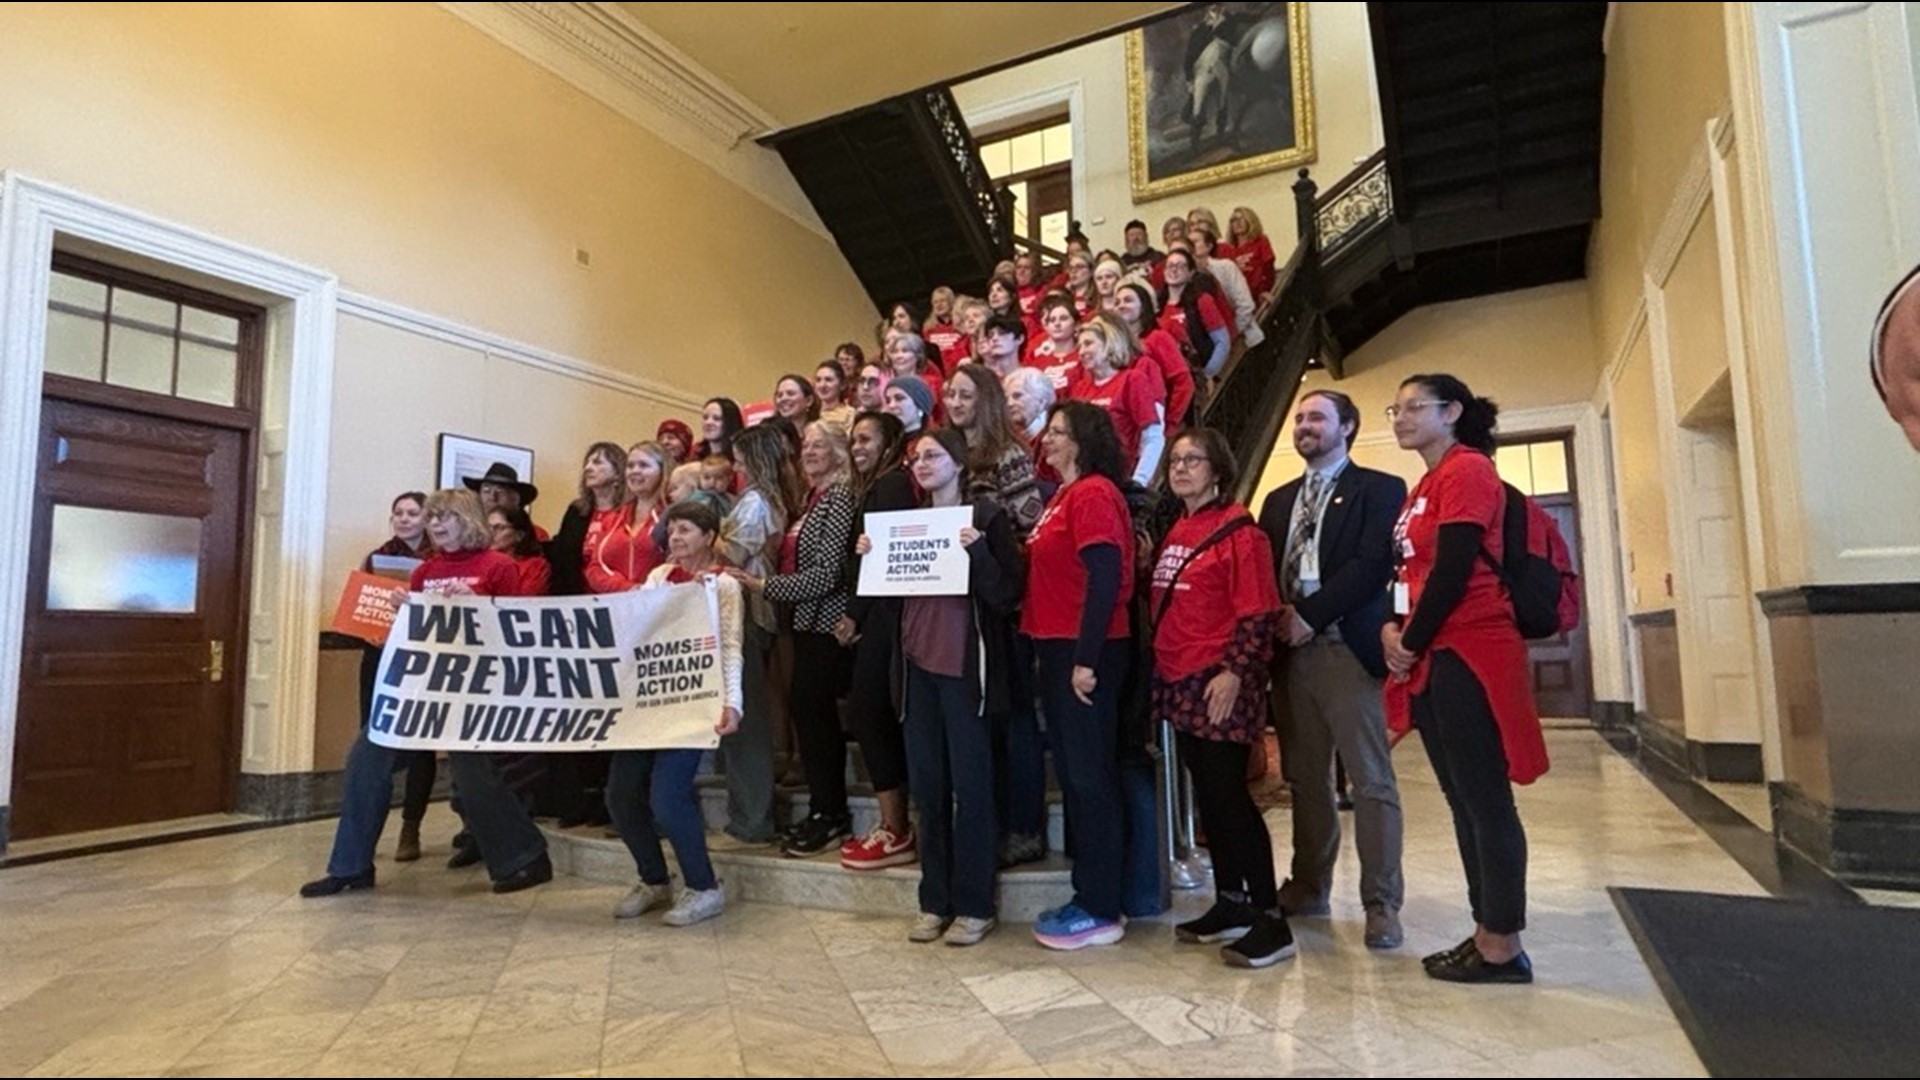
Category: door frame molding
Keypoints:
(283, 609)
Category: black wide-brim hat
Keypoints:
(506, 476)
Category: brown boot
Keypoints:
(408, 849)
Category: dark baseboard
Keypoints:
(1657, 740)
(1612, 715)
(1876, 849)
(289, 796)
(1733, 763)
(6, 828)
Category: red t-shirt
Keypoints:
(619, 553)
(1030, 297)
(1228, 583)
(1255, 260)
(1464, 488)
(536, 575)
(485, 573)
(1087, 512)
(954, 345)
(1173, 319)
(1132, 398)
(1175, 375)
(1042, 355)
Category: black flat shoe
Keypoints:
(333, 886)
(537, 872)
(1447, 956)
(464, 857)
(1475, 968)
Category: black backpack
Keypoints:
(1533, 582)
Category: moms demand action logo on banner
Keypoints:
(625, 671)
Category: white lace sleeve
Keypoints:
(732, 631)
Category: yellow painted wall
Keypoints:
(1666, 78)
(1641, 480)
(430, 167)
(1345, 125)
(1696, 317)
(427, 165)
(1525, 350)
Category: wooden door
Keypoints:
(129, 698)
(1561, 665)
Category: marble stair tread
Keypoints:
(764, 875)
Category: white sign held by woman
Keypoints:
(916, 553)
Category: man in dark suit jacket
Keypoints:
(1332, 536)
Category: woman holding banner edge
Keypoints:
(650, 792)
(463, 564)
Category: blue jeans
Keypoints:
(1085, 740)
(950, 774)
(508, 838)
(650, 792)
(1020, 780)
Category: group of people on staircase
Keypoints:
(1115, 582)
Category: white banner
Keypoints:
(626, 671)
(916, 553)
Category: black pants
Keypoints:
(1463, 743)
(1236, 834)
(817, 660)
(950, 743)
(421, 765)
(873, 707)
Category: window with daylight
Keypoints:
(1035, 163)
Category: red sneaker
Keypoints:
(879, 849)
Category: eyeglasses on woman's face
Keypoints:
(1186, 461)
(1393, 411)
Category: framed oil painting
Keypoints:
(1216, 93)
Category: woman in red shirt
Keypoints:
(1458, 666)
(1196, 322)
(407, 516)
(1079, 284)
(1133, 303)
(1004, 298)
(1252, 251)
(515, 852)
(620, 552)
(1079, 572)
(1217, 606)
(512, 535)
(1055, 352)
(1134, 397)
(951, 340)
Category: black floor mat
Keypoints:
(1777, 988)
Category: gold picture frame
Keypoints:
(1218, 45)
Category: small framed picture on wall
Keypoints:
(464, 458)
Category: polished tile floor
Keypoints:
(197, 958)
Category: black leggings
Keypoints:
(817, 660)
(1463, 743)
(872, 705)
(422, 766)
(1236, 834)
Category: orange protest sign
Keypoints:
(367, 607)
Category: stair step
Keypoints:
(765, 876)
(790, 805)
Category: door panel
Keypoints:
(135, 583)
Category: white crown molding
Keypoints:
(386, 313)
(611, 57)
(1691, 195)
